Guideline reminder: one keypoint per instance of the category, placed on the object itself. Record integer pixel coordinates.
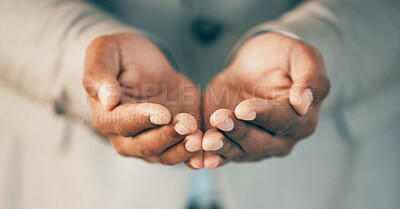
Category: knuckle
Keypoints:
(141, 122)
(167, 161)
(121, 150)
(237, 158)
(255, 159)
(310, 130)
(89, 84)
(144, 151)
(248, 158)
(123, 130)
(100, 126)
(167, 137)
(267, 114)
(326, 86)
(226, 148)
(285, 127)
(240, 132)
(150, 159)
(323, 87)
(259, 150)
(310, 127)
(183, 155)
(284, 152)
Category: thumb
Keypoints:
(308, 90)
(102, 88)
(310, 82)
(109, 93)
(301, 99)
(101, 71)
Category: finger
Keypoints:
(196, 162)
(189, 165)
(216, 142)
(101, 71)
(182, 151)
(129, 120)
(213, 140)
(212, 160)
(277, 118)
(251, 139)
(155, 141)
(310, 82)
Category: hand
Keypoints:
(266, 100)
(144, 107)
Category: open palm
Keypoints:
(254, 107)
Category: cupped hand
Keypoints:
(266, 100)
(144, 107)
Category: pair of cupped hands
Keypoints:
(259, 106)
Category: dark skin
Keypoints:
(264, 102)
(140, 103)
(259, 106)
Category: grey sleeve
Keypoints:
(42, 50)
(359, 41)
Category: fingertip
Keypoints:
(197, 161)
(190, 166)
(211, 160)
(221, 120)
(187, 124)
(193, 141)
(160, 115)
(243, 111)
(301, 101)
(212, 141)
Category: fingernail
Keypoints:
(159, 119)
(249, 116)
(190, 147)
(194, 164)
(211, 160)
(307, 98)
(212, 144)
(197, 161)
(183, 129)
(193, 143)
(226, 125)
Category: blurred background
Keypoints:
(52, 157)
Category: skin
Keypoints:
(140, 103)
(259, 106)
(264, 102)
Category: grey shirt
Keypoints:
(352, 161)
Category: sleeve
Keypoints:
(358, 39)
(42, 50)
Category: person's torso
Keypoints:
(200, 33)
(353, 167)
